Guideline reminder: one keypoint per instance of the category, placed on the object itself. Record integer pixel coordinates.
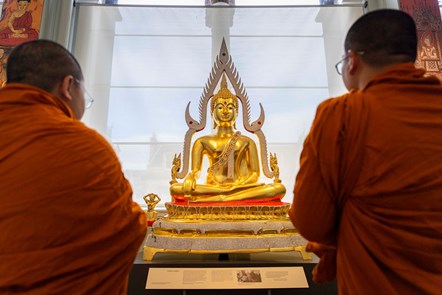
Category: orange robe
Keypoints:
(370, 182)
(68, 224)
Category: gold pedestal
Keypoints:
(205, 229)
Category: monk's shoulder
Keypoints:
(339, 105)
(81, 132)
(335, 102)
(85, 143)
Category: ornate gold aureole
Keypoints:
(224, 66)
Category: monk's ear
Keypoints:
(65, 87)
(353, 62)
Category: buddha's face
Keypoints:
(225, 111)
(23, 5)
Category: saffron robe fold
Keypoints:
(68, 224)
(370, 182)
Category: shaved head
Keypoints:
(385, 36)
(41, 63)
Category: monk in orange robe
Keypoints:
(68, 224)
(368, 194)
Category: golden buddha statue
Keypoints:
(232, 211)
(234, 169)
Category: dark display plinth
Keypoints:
(138, 275)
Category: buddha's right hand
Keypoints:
(189, 184)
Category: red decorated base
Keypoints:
(184, 201)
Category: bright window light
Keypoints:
(237, 2)
(143, 65)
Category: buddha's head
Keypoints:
(23, 4)
(224, 106)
